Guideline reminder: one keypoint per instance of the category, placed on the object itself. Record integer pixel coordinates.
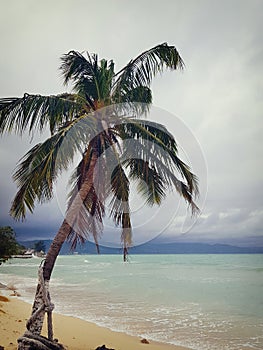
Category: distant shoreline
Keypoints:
(153, 248)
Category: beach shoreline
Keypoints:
(72, 332)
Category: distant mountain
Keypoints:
(87, 248)
(193, 248)
(153, 247)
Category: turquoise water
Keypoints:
(201, 301)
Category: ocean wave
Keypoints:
(190, 301)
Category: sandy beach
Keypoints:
(73, 333)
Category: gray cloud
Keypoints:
(218, 96)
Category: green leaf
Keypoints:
(35, 112)
(141, 70)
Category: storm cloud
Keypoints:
(218, 97)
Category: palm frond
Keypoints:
(92, 175)
(139, 94)
(35, 112)
(92, 78)
(39, 168)
(150, 183)
(134, 102)
(105, 79)
(162, 178)
(75, 66)
(155, 146)
(120, 209)
(90, 188)
(141, 70)
(120, 190)
(88, 218)
(35, 176)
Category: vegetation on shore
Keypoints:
(8, 244)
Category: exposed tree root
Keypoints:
(30, 341)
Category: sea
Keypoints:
(204, 302)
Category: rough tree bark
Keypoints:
(32, 339)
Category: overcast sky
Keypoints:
(216, 102)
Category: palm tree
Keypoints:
(99, 119)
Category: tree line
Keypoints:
(9, 245)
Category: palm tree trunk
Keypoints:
(35, 323)
(36, 326)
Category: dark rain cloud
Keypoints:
(218, 96)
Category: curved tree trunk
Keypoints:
(35, 326)
(32, 339)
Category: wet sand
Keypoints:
(73, 333)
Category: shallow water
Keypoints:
(202, 301)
